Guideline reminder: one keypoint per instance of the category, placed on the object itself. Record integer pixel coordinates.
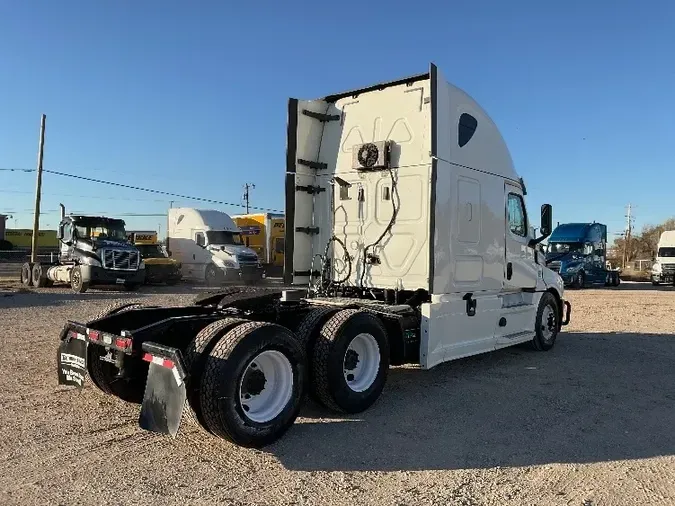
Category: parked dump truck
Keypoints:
(663, 270)
(159, 267)
(209, 246)
(578, 252)
(411, 246)
(265, 234)
(93, 250)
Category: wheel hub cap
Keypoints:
(266, 386)
(361, 362)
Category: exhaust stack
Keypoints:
(63, 211)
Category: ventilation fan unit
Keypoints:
(371, 156)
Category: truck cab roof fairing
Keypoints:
(456, 111)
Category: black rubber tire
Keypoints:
(617, 280)
(655, 283)
(330, 347)
(76, 282)
(225, 365)
(39, 276)
(102, 374)
(213, 276)
(579, 280)
(27, 274)
(310, 325)
(308, 330)
(539, 343)
(195, 358)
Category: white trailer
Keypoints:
(407, 240)
(210, 248)
(663, 270)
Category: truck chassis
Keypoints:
(239, 361)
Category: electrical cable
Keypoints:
(138, 188)
(149, 190)
(394, 191)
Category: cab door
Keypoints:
(519, 268)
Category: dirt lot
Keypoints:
(592, 422)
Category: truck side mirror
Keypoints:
(545, 226)
(546, 220)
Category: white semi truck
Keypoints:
(663, 270)
(407, 241)
(210, 247)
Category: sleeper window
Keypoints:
(516, 215)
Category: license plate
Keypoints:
(119, 281)
(72, 362)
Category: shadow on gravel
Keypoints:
(594, 398)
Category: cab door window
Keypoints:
(515, 215)
(199, 239)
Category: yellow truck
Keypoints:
(22, 237)
(264, 233)
(159, 268)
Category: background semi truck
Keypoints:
(663, 270)
(159, 267)
(93, 250)
(578, 252)
(410, 246)
(265, 234)
(210, 248)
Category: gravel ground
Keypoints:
(589, 423)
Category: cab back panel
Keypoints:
(358, 215)
(400, 114)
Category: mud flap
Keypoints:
(71, 360)
(165, 393)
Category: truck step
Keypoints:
(308, 230)
(313, 165)
(321, 117)
(310, 189)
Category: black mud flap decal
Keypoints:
(71, 360)
(165, 392)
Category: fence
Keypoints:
(11, 261)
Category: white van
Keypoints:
(663, 270)
(210, 248)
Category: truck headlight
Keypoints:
(573, 268)
(94, 262)
(224, 264)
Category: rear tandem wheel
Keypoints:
(253, 382)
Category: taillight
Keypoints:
(93, 335)
(124, 343)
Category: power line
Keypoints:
(149, 190)
(96, 197)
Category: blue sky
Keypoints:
(192, 99)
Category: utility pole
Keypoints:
(247, 197)
(38, 192)
(627, 236)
